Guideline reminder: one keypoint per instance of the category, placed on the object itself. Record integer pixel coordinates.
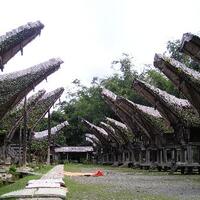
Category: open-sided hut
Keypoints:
(76, 153)
(15, 40)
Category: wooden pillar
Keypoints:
(147, 156)
(20, 146)
(24, 156)
(49, 138)
(189, 152)
(161, 156)
(87, 156)
(123, 157)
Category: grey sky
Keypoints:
(89, 34)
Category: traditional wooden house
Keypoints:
(14, 41)
(20, 83)
(185, 79)
(54, 130)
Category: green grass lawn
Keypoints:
(21, 183)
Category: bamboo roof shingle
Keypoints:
(190, 45)
(54, 131)
(100, 133)
(14, 41)
(111, 131)
(14, 86)
(110, 99)
(173, 109)
(42, 107)
(185, 79)
(146, 117)
(12, 119)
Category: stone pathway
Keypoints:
(51, 186)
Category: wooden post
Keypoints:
(49, 138)
(24, 133)
(20, 146)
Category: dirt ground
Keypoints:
(183, 187)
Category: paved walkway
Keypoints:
(51, 186)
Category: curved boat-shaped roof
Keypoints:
(190, 45)
(185, 79)
(54, 131)
(14, 86)
(13, 118)
(14, 41)
(111, 132)
(146, 117)
(94, 139)
(42, 107)
(100, 133)
(175, 110)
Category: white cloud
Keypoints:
(89, 34)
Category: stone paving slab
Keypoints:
(24, 193)
(56, 173)
(43, 185)
(58, 180)
(51, 192)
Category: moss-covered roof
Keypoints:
(100, 133)
(175, 110)
(94, 139)
(121, 129)
(91, 141)
(110, 99)
(42, 107)
(190, 44)
(111, 131)
(185, 79)
(54, 130)
(146, 117)
(14, 86)
(15, 40)
(13, 118)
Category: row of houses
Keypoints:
(164, 136)
(19, 116)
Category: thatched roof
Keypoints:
(13, 118)
(14, 41)
(91, 141)
(185, 79)
(42, 107)
(54, 131)
(110, 99)
(94, 139)
(175, 110)
(146, 117)
(190, 45)
(100, 133)
(121, 129)
(111, 132)
(14, 86)
(74, 149)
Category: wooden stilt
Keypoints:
(25, 133)
(49, 138)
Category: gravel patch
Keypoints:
(176, 186)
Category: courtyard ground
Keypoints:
(127, 184)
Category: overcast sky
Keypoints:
(89, 34)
